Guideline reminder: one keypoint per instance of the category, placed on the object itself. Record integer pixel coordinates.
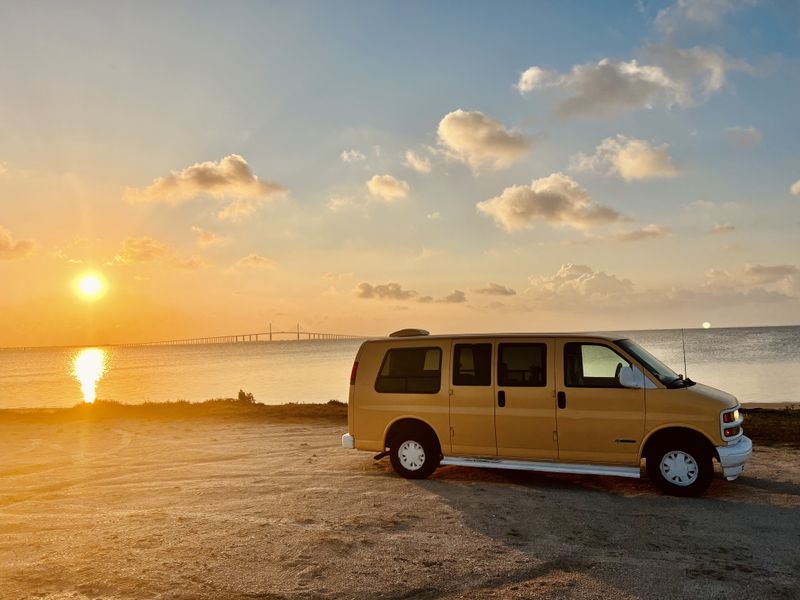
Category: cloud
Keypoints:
(352, 156)
(434, 216)
(795, 188)
(495, 289)
(722, 228)
(699, 13)
(743, 137)
(229, 179)
(11, 249)
(139, 250)
(387, 188)
(255, 261)
(676, 77)
(454, 297)
(766, 274)
(581, 280)
(385, 291)
(206, 238)
(556, 200)
(341, 203)
(480, 141)
(629, 158)
(532, 78)
(647, 232)
(419, 163)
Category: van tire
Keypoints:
(414, 452)
(680, 468)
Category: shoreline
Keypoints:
(765, 424)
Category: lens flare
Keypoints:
(88, 367)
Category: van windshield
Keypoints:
(664, 374)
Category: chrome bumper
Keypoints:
(732, 458)
(348, 441)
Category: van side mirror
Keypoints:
(631, 377)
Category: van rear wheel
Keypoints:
(680, 468)
(414, 453)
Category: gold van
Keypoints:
(559, 403)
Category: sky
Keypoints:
(361, 167)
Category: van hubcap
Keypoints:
(411, 455)
(679, 468)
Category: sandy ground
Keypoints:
(183, 509)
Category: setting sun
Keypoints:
(90, 286)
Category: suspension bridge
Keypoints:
(261, 336)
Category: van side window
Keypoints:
(591, 365)
(522, 365)
(410, 371)
(472, 364)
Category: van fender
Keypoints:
(712, 444)
(409, 418)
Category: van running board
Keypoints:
(544, 467)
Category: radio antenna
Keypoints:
(683, 344)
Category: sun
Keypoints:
(90, 286)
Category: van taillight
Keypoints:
(730, 417)
(353, 372)
(731, 431)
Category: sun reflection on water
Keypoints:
(88, 367)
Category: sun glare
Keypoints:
(89, 286)
(88, 367)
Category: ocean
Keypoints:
(757, 364)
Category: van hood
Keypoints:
(723, 399)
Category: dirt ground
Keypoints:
(203, 509)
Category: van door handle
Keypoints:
(562, 400)
(501, 398)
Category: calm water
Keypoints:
(758, 364)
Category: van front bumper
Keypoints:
(732, 458)
(348, 441)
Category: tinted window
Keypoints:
(522, 365)
(410, 371)
(472, 364)
(591, 365)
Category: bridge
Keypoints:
(261, 336)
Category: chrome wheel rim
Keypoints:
(679, 468)
(411, 455)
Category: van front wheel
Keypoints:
(414, 453)
(680, 469)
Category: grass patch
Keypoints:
(772, 427)
(221, 408)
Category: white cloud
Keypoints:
(645, 233)
(229, 179)
(419, 163)
(384, 291)
(795, 188)
(495, 289)
(387, 188)
(556, 199)
(705, 13)
(352, 156)
(532, 78)
(628, 158)
(11, 249)
(480, 141)
(581, 280)
(255, 261)
(434, 216)
(676, 77)
(144, 249)
(341, 203)
(743, 137)
(206, 238)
